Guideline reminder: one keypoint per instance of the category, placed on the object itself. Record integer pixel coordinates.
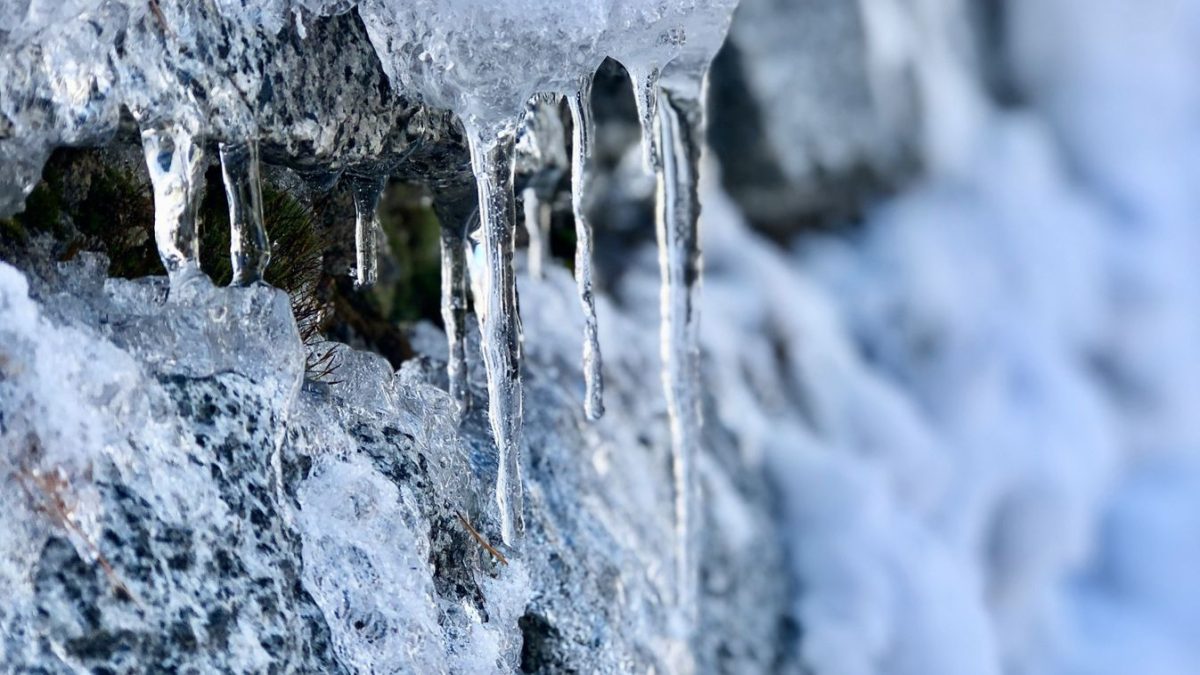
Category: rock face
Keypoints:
(182, 497)
(304, 78)
(811, 117)
(310, 90)
(141, 488)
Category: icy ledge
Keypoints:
(177, 495)
(195, 75)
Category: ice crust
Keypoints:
(316, 526)
(272, 71)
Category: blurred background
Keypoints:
(993, 206)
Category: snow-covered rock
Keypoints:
(180, 497)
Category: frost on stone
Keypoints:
(110, 459)
(979, 416)
(259, 522)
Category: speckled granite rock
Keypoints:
(180, 497)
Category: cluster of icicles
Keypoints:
(667, 50)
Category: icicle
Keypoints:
(542, 159)
(176, 165)
(456, 209)
(581, 159)
(367, 191)
(491, 160)
(249, 248)
(645, 95)
(454, 307)
(537, 225)
(678, 130)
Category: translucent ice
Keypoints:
(249, 248)
(485, 60)
(582, 131)
(677, 221)
(679, 39)
(194, 73)
(461, 56)
(496, 305)
(367, 191)
(542, 158)
(536, 214)
(176, 163)
(454, 307)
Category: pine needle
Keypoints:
(160, 17)
(47, 493)
(479, 538)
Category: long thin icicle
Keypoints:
(581, 159)
(249, 248)
(645, 96)
(456, 208)
(491, 160)
(176, 164)
(454, 308)
(537, 225)
(678, 130)
(367, 191)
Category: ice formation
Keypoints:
(454, 310)
(249, 247)
(176, 164)
(543, 158)
(456, 56)
(977, 410)
(367, 191)
(474, 73)
(582, 132)
(496, 307)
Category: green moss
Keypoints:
(12, 231)
(82, 203)
(43, 212)
(87, 200)
(412, 230)
(116, 215)
(214, 229)
(43, 209)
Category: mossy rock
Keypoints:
(100, 200)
